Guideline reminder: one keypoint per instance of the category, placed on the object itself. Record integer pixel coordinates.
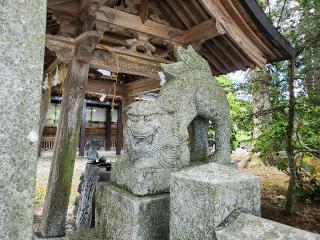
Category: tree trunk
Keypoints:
(308, 85)
(67, 137)
(291, 196)
(262, 116)
(316, 63)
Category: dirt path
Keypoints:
(273, 199)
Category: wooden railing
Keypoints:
(47, 143)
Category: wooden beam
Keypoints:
(109, 58)
(115, 40)
(103, 87)
(141, 82)
(142, 86)
(133, 22)
(217, 11)
(202, 32)
(206, 30)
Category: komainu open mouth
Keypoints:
(143, 137)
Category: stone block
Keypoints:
(121, 215)
(57, 238)
(249, 227)
(202, 197)
(143, 181)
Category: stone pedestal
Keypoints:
(201, 198)
(144, 181)
(249, 227)
(124, 216)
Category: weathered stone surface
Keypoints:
(87, 234)
(198, 134)
(156, 133)
(249, 227)
(59, 238)
(123, 216)
(201, 198)
(144, 181)
(22, 32)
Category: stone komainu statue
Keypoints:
(156, 132)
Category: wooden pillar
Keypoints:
(108, 128)
(44, 107)
(125, 101)
(67, 136)
(119, 131)
(43, 115)
(83, 130)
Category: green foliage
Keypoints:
(272, 143)
(299, 22)
(39, 195)
(240, 113)
(308, 169)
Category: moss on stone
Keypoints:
(85, 234)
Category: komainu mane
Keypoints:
(156, 132)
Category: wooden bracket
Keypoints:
(105, 57)
(80, 48)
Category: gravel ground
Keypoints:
(43, 170)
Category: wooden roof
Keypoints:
(231, 34)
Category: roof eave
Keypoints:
(268, 29)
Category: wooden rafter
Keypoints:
(144, 10)
(217, 11)
(236, 15)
